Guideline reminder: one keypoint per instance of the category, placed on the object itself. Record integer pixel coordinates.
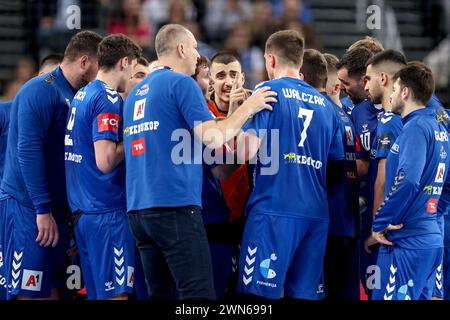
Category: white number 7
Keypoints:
(308, 114)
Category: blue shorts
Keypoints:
(31, 270)
(438, 290)
(282, 256)
(3, 229)
(107, 254)
(446, 275)
(407, 274)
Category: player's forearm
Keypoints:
(402, 193)
(227, 128)
(108, 154)
(362, 167)
(378, 196)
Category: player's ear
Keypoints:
(124, 63)
(384, 78)
(302, 76)
(273, 60)
(336, 88)
(84, 61)
(180, 50)
(406, 93)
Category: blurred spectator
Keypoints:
(50, 62)
(25, 70)
(161, 12)
(292, 10)
(263, 22)
(130, 20)
(295, 14)
(202, 47)
(221, 15)
(239, 42)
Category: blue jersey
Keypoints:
(343, 194)
(5, 108)
(347, 105)
(163, 169)
(365, 116)
(388, 130)
(34, 165)
(416, 170)
(305, 135)
(441, 113)
(95, 114)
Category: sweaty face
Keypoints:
(138, 74)
(223, 77)
(353, 88)
(373, 85)
(397, 103)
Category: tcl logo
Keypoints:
(432, 205)
(108, 122)
(138, 147)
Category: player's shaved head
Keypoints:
(51, 60)
(314, 68)
(332, 78)
(224, 58)
(288, 46)
(168, 37)
(389, 61)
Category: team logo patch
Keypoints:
(138, 147)
(440, 173)
(264, 267)
(139, 109)
(1, 259)
(32, 280)
(108, 122)
(349, 136)
(142, 91)
(432, 205)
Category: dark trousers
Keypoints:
(175, 254)
(341, 272)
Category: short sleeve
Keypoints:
(107, 118)
(191, 102)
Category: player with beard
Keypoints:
(34, 194)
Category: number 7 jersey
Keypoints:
(298, 138)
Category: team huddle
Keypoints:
(171, 181)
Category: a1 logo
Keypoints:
(32, 280)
